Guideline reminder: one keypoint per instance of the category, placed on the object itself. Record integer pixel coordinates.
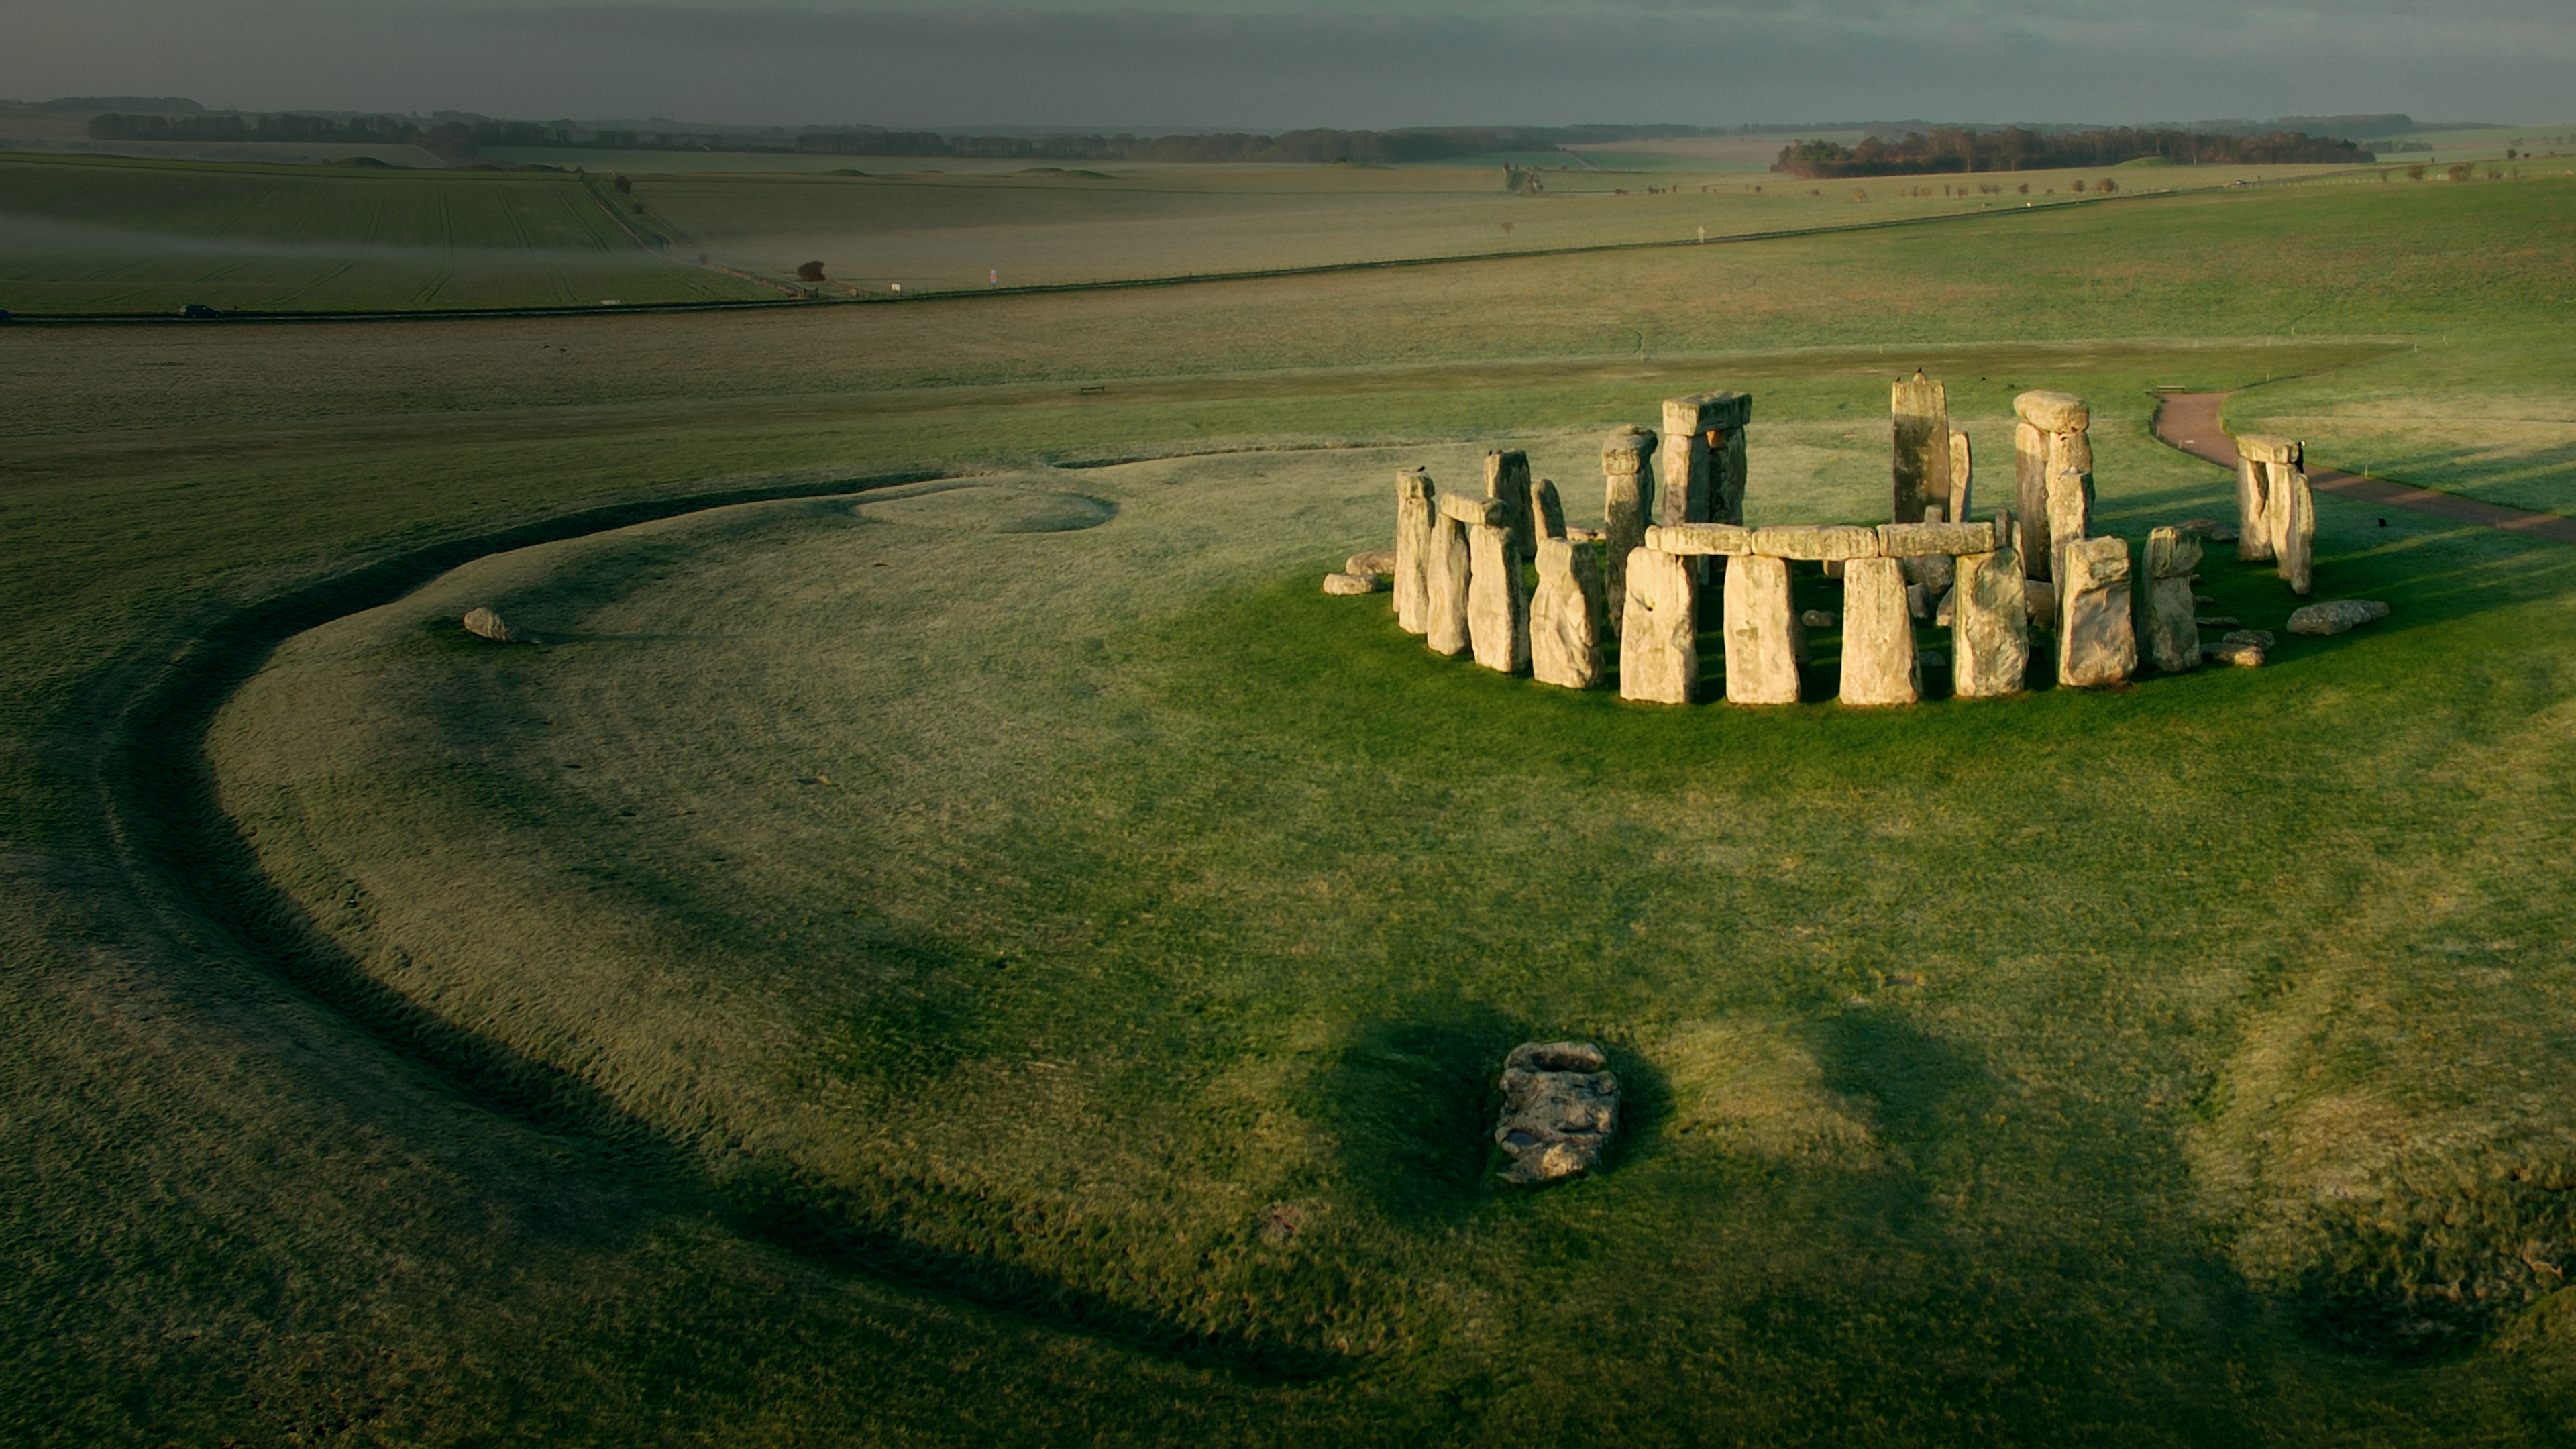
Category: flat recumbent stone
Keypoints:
(1560, 1110)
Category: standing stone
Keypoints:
(1921, 427)
(2095, 643)
(2051, 439)
(1696, 447)
(1507, 478)
(1962, 472)
(2262, 463)
(1547, 511)
(1497, 601)
(2030, 496)
(1878, 635)
(2070, 517)
(2295, 511)
(1627, 493)
(2166, 615)
(1566, 615)
(1414, 515)
(1763, 640)
(1449, 569)
(1659, 630)
(1989, 629)
(490, 625)
(1727, 470)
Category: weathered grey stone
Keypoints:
(1962, 476)
(2039, 603)
(2165, 617)
(2294, 526)
(1946, 612)
(1497, 601)
(2198, 527)
(1350, 583)
(2070, 515)
(2172, 553)
(1919, 540)
(1920, 430)
(1708, 412)
(1566, 615)
(1381, 561)
(1681, 465)
(1933, 573)
(1468, 509)
(2215, 621)
(2070, 453)
(1628, 490)
(1990, 625)
(1701, 540)
(1415, 513)
(1918, 602)
(1814, 542)
(2264, 637)
(1560, 1110)
(1659, 630)
(1726, 464)
(1763, 640)
(2096, 643)
(2030, 497)
(1879, 667)
(2245, 654)
(2054, 412)
(1446, 575)
(1507, 479)
(1547, 511)
(2253, 512)
(492, 626)
(2265, 448)
(2336, 616)
(1819, 618)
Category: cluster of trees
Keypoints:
(1948, 149)
(1306, 147)
(451, 141)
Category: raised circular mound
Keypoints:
(996, 507)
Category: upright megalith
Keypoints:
(2095, 643)
(1920, 409)
(2070, 515)
(1497, 600)
(1962, 474)
(1448, 569)
(1764, 642)
(1627, 491)
(2263, 463)
(1879, 667)
(1414, 516)
(1989, 628)
(1659, 630)
(2165, 612)
(2052, 437)
(1566, 615)
(1547, 511)
(1507, 480)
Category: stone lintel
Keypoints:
(1701, 540)
(1915, 540)
(1468, 508)
(2268, 448)
(1830, 543)
(2054, 412)
(1702, 412)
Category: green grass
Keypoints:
(948, 1102)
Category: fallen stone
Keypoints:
(2054, 412)
(1878, 636)
(1380, 562)
(1627, 492)
(1931, 659)
(1468, 509)
(1919, 409)
(1818, 618)
(2246, 655)
(2199, 527)
(1929, 540)
(1574, 534)
(1351, 583)
(1416, 515)
(1497, 603)
(1446, 576)
(2217, 621)
(1560, 1110)
(1813, 543)
(2263, 637)
(1700, 539)
(2336, 616)
(492, 626)
(1934, 572)
(2222, 534)
(2096, 643)
(1990, 628)
(1659, 630)
(1763, 643)
(2039, 602)
(1547, 511)
(1566, 616)
(2266, 448)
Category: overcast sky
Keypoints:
(1274, 66)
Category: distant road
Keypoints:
(2189, 421)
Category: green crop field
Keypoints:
(953, 940)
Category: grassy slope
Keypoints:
(279, 1227)
(137, 236)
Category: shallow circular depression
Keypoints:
(1008, 506)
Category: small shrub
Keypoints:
(2463, 171)
(2110, 184)
(2415, 172)
(2079, 188)
(810, 272)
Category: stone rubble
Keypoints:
(1560, 1110)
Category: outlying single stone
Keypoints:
(1497, 600)
(1764, 644)
(1879, 667)
(2096, 644)
(1659, 630)
(490, 625)
(2336, 615)
(1415, 513)
(1919, 408)
(1990, 625)
(2166, 614)
(1560, 1110)
(1566, 615)
(1354, 583)
(1627, 492)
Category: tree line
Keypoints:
(1949, 149)
(450, 141)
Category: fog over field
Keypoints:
(1278, 65)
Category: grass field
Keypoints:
(1046, 984)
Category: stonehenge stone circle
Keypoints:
(1764, 643)
(1507, 479)
(2336, 616)
(2096, 644)
(1989, 625)
(1414, 516)
(1879, 667)
(1560, 1110)
(1497, 600)
(2170, 622)
(487, 624)
(1627, 493)
(1566, 616)
(2049, 438)
(1659, 630)
(1920, 427)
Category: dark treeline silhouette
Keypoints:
(450, 141)
(1307, 147)
(1947, 149)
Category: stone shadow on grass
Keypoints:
(1410, 1101)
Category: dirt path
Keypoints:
(2189, 421)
